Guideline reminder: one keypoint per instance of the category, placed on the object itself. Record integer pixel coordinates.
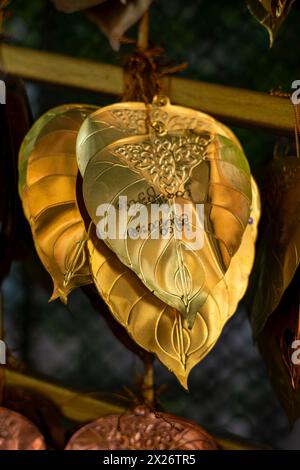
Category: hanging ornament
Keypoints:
(176, 320)
(178, 157)
(278, 253)
(274, 296)
(38, 409)
(142, 429)
(271, 14)
(18, 433)
(47, 186)
(279, 345)
(172, 296)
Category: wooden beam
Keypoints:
(74, 405)
(242, 107)
(62, 70)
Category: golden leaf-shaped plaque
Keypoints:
(270, 14)
(156, 326)
(280, 353)
(182, 161)
(278, 253)
(48, 172)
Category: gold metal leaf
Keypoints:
(190, 165)
(270, 14)
(275, 342)
(47, 185)
(278, 253)
(156, 326)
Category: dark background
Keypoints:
(223, 44)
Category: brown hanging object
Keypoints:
(142, 429)
(146, 68)
(18, 433)
(144, 75)
(280, 353)
(41, 411)
(278, 253)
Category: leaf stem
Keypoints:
(148, 382)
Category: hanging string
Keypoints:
(146, 68)
(143, 32)
(144, 74)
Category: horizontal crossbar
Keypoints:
(244, 108)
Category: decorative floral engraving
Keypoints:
(166, 160)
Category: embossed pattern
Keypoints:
(172, 301)
(142, 430)
(117, 121)
(18, 433)
(166, 161)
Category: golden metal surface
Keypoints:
(47, 185)
(142, 429)
(278, 254)
(18, 433)
(187, 157)
(271, 14)
(120, 120)
(180, 157)
(156, 326)
(277, 347)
